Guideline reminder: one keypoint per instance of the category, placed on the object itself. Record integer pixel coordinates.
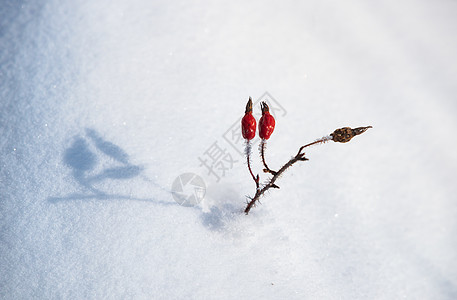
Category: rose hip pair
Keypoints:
(266, 122)
(266, 127)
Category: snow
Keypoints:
(103, 104)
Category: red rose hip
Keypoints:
(248, 123)
(266, 122)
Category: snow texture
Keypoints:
(104, 103)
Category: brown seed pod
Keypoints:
(345, 134)
(342, 135)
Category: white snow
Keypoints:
(104, 103)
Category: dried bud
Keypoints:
(345, 134)
(248, 106)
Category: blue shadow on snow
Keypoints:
(83, 161)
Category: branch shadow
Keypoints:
(83, 157)
(91, 160)
(76, 196)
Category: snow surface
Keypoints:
(104, 103)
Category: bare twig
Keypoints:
(248, 158)
(262, 155)
(341, 135)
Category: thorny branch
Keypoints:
(248, 158)
(342, 135)
(262, 155)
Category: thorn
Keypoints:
(302, 157)
(270, 171)
(275, 186)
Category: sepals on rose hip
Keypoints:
(248, 123)
(266, 122)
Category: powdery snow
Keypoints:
(103, 104)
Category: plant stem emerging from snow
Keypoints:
(341, 135)
(248, 158)
(262, 154)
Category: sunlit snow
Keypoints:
(103, 104)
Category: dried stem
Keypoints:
(341, 135)
(271, 184)
(262, 154)
(248, 158)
